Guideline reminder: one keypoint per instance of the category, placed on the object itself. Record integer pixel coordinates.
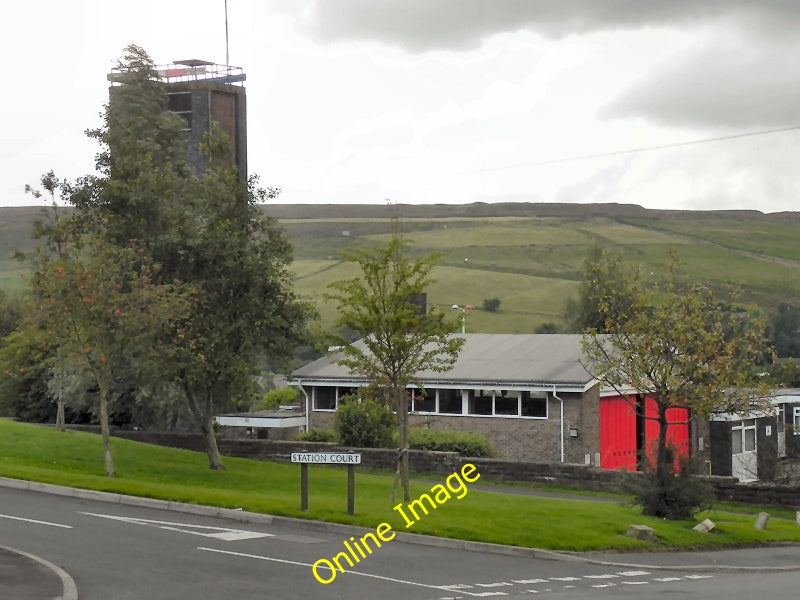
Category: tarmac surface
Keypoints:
(27, 577)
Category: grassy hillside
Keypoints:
(527, 255)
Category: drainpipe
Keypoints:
(308, 405)
(562, 422)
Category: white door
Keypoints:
(743, 451)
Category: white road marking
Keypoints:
(457, 586)
(635, 582)
(529, 581)
(667, 579)
(348, 571)
(219, 533)
(490, 585)
(603, 585)
(604, 576)
(633, 573)
(698, 576)
(565, 578)
(36, 522)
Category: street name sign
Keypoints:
(327, 458)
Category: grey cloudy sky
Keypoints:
(454, 101)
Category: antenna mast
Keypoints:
(227, 58)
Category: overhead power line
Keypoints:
(635, 150)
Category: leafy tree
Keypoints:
(103, 312)
(205, 233)
(398, 340)
(607, 291)
(784, 331)
(9, 314)
(678, 345)
(491, 304)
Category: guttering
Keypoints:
(561, 422)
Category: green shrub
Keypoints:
(463, 442)
(318, 435)
(273, 399)
(364, 422)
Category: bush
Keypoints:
(676, 496)
(273, 399)
(491, 304)
(364, 422)
(465, 443)
(318, 435)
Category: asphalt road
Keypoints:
(115, 551)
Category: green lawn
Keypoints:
(75, 459)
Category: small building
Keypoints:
(281, 424)
(528, 394)
(750, 446)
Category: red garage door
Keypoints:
(617, 434)
(677, 431)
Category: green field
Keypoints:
(527, 255)
(75, 459)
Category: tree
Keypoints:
(207, 234)
(102, 310)
(681, 346)
(784, 331)
(238, 262)
(607, 290)
(491, 304)
(399, 340)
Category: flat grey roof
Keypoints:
(494, 358)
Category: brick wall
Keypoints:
(533, 440)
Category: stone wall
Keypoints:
(577, 476)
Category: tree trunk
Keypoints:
(214, 459)
(662, 468)
(60, 415)
(104, 430)
(204, 416)
(402, 467)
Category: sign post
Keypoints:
(327, 458)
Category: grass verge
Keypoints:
(75, 459)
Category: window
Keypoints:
(507, 403)
(534, 405)
(743, 437)
(449, 402)
(796, 419)
(181, 105)
(480, 402)
(424, 402)
(324, 398)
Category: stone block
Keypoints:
(706, 526)
(641, 532)
(761, 521)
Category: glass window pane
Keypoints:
(736, 441)
(749, 440)
(507, 404)
(426, 402)
(534, 406)
(450, 402)
(324, 398)
(479, 405)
